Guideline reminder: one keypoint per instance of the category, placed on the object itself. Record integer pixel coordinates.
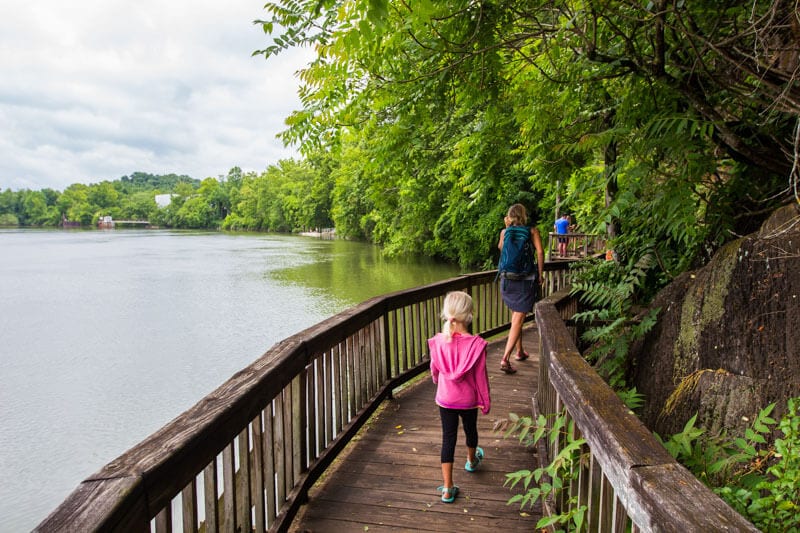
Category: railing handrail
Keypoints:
(579, 245)
(574, 234)
(657, 493)
(269, 420)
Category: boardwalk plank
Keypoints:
(386, 479)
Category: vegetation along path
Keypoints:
(387, 479)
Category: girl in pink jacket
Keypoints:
(458, 367)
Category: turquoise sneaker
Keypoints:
(471, 467)
(448, 493)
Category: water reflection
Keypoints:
(354, 272)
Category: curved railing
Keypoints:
(625, 477)
(244, 457)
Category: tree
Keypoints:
(288, 196)
(194, 213)
(74, 204)
(9, 208)
(103, 195)
(35, 210)
(350, 204)
(232, 184)
(216, 196)
(246, 213)
(138, 206)
(322, 186)
(142, 181)
(681, 114)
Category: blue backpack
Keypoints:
(516, 258)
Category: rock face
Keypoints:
(727, 342)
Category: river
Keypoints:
(105, 336)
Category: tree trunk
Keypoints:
(610, 162)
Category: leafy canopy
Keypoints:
(671, 122)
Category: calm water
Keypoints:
(107, 335)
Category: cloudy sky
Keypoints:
(93, 90)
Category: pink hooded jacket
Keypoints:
(458, 367)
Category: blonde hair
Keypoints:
(457, 307)
(517, 215)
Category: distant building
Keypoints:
(163, 200)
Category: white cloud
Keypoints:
(96, 89)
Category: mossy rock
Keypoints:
(726, 343)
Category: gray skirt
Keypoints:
(520, 294)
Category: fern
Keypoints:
(609, 290)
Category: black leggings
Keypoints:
(469, 419)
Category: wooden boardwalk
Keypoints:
(386, 480)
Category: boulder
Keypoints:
(727, 341)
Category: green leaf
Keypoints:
(548, 521)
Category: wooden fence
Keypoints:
(579, 246)
(244, 457)
(624, 477)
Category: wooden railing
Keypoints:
(625, 477)
(245, 456)
(579, 245)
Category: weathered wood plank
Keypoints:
(339, 377)
(93, 506)
(210, 500)
(279, 444)
(315, 396)
(674, 499)
(228, 490)
(268, 418)
(189, 507)
(300, 418)
(257, 487)
(163, 521)
(370, 508)
(242, 494)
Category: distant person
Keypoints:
(522, 275)
(561, 227)
(458, 367)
